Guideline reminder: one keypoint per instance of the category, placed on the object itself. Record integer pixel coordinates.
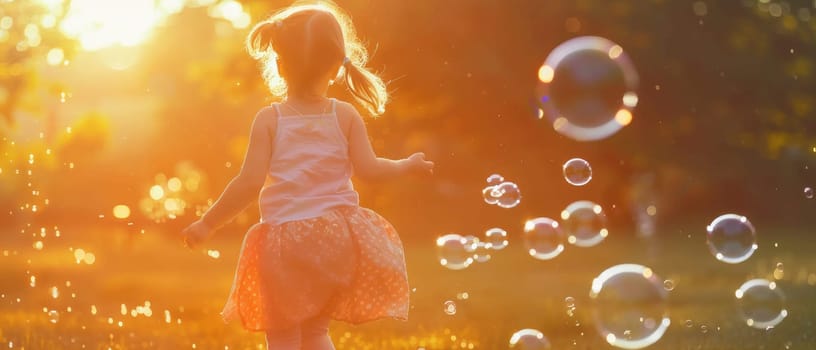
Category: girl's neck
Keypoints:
(306, 98)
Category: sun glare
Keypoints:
(98, 24)
(102, 23)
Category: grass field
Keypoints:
(172, 296)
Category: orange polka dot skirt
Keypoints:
(348, 264)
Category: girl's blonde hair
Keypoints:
(309, 39)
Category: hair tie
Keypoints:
(346, 61)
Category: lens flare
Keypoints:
(121, 211)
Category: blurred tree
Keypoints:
(725, 119)
(29, 37)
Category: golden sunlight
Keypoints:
(99, 24)
(102, 23)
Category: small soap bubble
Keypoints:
(53, 316)
(529, 339)
(470, 242)
(543, 238)
(761, 304)
(584, 223)
(450, 307)
(587, 88)
(481, 253)
(487, 195)
(496, 238)
(779, 271)
(631, 310)
(570, 301)
(577, 172)
(808, 193)
(668, 285)
(495, 179)
(454, 252)
(731, 238)
(507, 194)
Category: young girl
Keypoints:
(316, 255)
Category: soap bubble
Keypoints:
(761, 303)
(487, 194)
(495, 179)
(577, 172)
(731, 238)
(450, 307)
(808, 193)
(529, 339)
(585, 223)
(53, 316)
(496, 238)
(630, 306)
(508, 195)
(453, 251)
(570, 303)
(668, 285)
(470, 242)
(543, 238)
(481, 253)
(587, 88)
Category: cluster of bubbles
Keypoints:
(587, 89)
(584, 225)
(457, 252)
(732, 239)
(502, 193)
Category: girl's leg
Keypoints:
(288, 339)
(315, 334)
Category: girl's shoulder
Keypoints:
(346, 115)
(346, 110)
(267, 117)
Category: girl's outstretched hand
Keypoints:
(196, 233)
(418, 163)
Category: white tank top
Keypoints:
(310, 171)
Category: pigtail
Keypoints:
(259, 44)
(366, 87)
(260, 38)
